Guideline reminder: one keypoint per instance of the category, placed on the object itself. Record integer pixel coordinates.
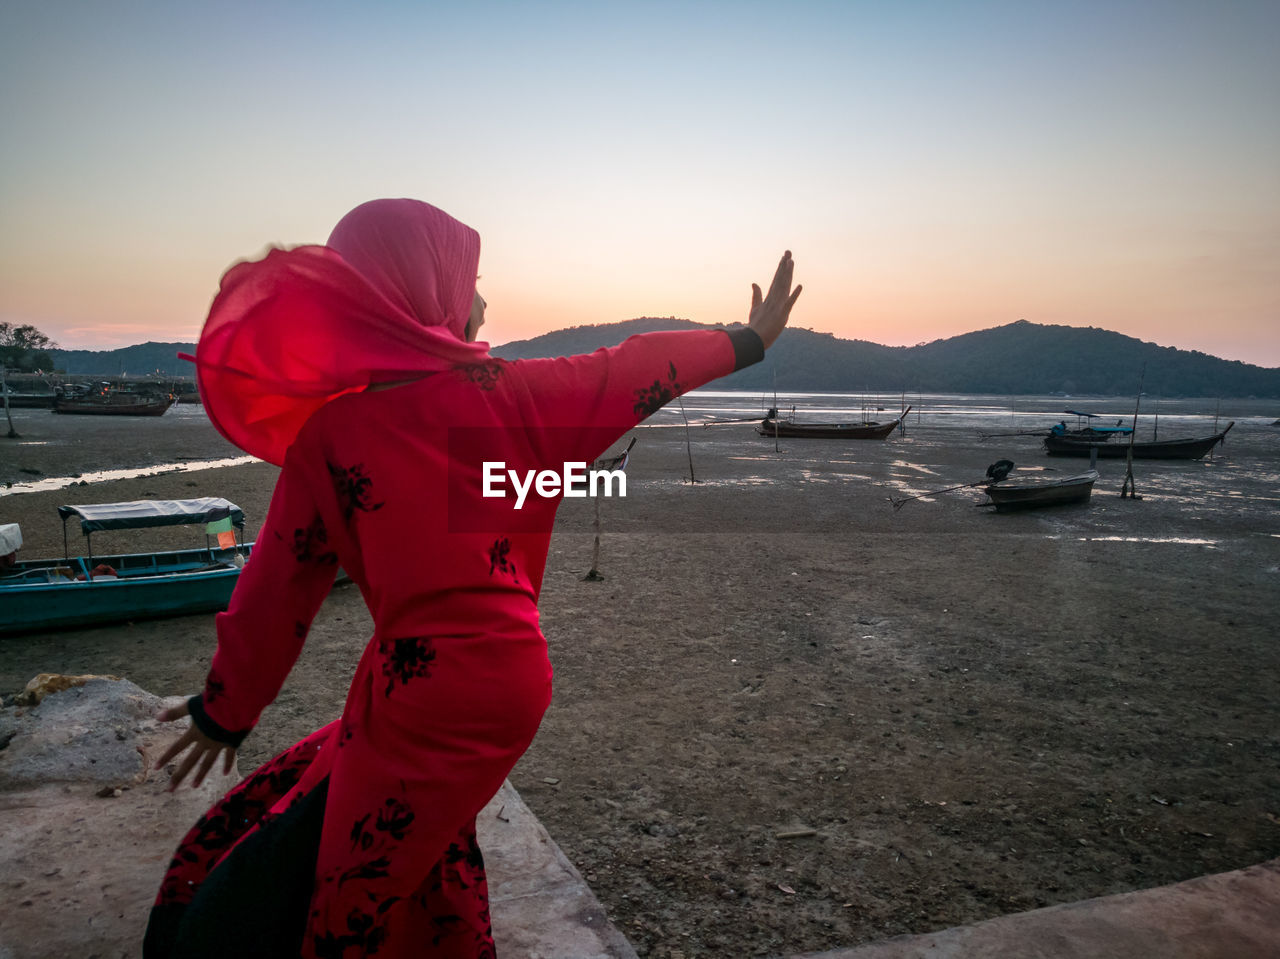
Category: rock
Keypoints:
(86, 732)
(89, 828)
(47, 683)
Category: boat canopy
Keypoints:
(153, 512)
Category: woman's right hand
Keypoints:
(203, 754)
(769, 313)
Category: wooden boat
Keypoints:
(1184, 449)
(45, 594)
(111, 401)
(774, 425)
(1035, 492)
(1084, 429)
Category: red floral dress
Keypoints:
(360, 840)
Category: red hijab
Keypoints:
(387, 298)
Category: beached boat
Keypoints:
(1084, 429)
(1033, 492)
(45, 594)
(775, 426)
(1183, 449)
(112, 401)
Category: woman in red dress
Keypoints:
(355, 367)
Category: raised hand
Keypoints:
(769, 313)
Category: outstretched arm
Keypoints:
(600, 395)
(287, 577)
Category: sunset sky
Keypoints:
(936, 167)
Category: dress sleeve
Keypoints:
(603, 394)
(289, 573)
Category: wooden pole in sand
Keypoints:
(593, 574)
(615, 462)
(1128, 490)
(688, 442)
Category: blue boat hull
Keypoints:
(45, 595)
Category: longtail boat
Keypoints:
(1084, 429)
(110, 401)
(1183, 449)
(774, 425)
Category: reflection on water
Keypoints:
(913, 467)
(1180, 540)
(729, 481)
(814, 476)
(62, 482)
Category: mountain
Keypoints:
(1020, 358)
(139, 360)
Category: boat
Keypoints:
(108, 400)
(46, 594)
(1183, 449)
(1084, 429)
(1034, 492)
(775, 426)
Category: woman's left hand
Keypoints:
(203, 750)
(769, 314)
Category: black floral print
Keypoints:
(407, 659)
(354, 490)
(361, 837)
(365, 935)
(500, 559)
(652, 398)
(461, 867)
(345, 732)
(213, 687)
(469, 855)
(394, 818)
(484, 375)
(309, 542)
(373, 869)
(376, 832)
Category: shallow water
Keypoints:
(946, 440)
(100, 476)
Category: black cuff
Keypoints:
(748, 348)
(206, 725)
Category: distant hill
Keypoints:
(1019, 358)
(138, 360)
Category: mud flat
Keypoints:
(790, 718)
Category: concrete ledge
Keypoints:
(1231, 915)
(540, 906)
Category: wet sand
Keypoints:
(791, 718)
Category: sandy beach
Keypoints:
(791, 718)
